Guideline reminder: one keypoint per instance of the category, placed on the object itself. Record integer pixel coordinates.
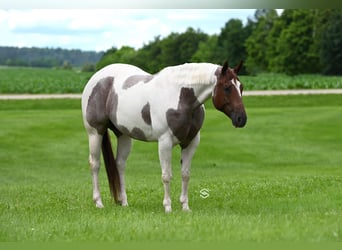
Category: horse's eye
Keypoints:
(228, 89)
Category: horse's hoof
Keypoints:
(187, 210)
(168, 209)
(185, 207)
(124, 204)
(98, 202)
(99, 205)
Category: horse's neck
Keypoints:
(198, 76)
(203, 91)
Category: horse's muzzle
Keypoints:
(239, 119)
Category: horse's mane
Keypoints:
(191, 73)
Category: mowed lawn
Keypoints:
(277, 179)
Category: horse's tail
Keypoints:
(111, 168)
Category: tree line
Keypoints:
(295, 42)
(48, 57)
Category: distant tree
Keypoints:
(189, 42)
(296, 44)
(88, 67)
(45, 57)
(231, 42)
(67, 65)
(208, 51)
(170, 47)
(178, 48)
(149, 56)
(331, 42)
(125, 54)
(256, 44)
(272, 53)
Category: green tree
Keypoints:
(179, 48)
(176, 48)
(296, 44)
(125, 54)
(208, 51)
(256, 44)
(67, 65)
(88, 67)
(149, 56)
(272, 53)
(331, 42)
(231, 42)
(170, 50)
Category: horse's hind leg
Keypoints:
(95, 141)
(123, 150)
(187, 154)
(165, 155)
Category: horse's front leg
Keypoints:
(165, 155)
(187, 154)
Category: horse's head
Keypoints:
(227, 94)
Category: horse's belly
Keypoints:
(142, 115)
(134, 120)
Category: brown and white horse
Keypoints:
(166, 107)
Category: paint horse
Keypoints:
(166, 107)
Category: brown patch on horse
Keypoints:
(136, 133)
(195, 126)
(187, 119)
(133, 80)
(97, 108)
(103, 102)
(146, 114)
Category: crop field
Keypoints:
(40, 80)
(277, 179)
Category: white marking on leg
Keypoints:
(165, 155)
(95, 141)
(123, 150)
(187, 154)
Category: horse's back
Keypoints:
(118, 72)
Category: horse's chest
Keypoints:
(187, 119)
(185, 124)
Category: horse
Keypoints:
(166, 107)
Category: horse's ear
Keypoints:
(224, 68)
(238, 67)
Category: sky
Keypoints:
(101, 29)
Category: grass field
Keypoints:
(278, 179)
(40, 80)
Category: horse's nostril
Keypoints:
(239, 120)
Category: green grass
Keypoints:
(277, 179)
(40, 80)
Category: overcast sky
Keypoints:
(100, 30)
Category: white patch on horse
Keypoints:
(237, 85)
